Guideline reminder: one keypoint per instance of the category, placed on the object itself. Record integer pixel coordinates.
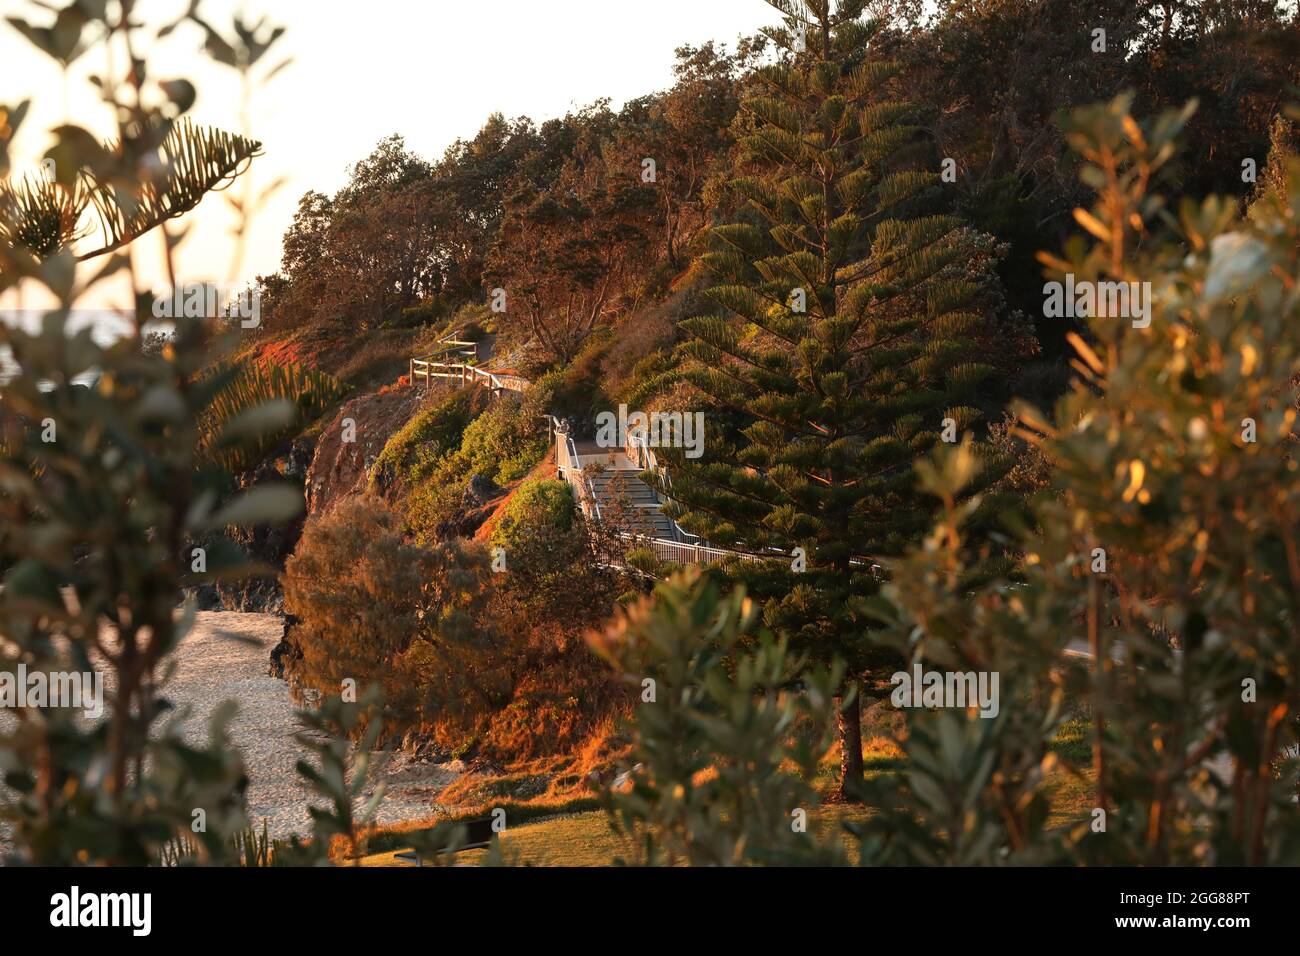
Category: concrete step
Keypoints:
(617, 477)
(624, 487)
(629, 501)
(653, 524)
(615, 495)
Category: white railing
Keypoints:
(637, 448)
(569, 467)
(684, 552)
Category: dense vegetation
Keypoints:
(831, 238)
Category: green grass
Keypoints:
(1072, 799)
(389, 841)
(1073, 741)
(583, 839)
(873, 765)
(577, 832)
(577, 836)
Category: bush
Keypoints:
(713, 740)
(472, 332)
(429, 436)
(377, 608)
(456, 660)
(472, 321)
(504, 443)
(382, 356)
(429, 312)
(358, 591)
(559, 580)
(538, 503)
(574, 392)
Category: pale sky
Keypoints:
(431, 70)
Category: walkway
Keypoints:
(606, 482)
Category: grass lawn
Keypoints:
(585, 839)
(582, 839)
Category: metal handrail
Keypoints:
(647, 460)
(685, 552)
(573, 474)
(589, 488)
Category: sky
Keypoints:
(430, 70)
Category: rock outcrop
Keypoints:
(340, 467)
(286, 653)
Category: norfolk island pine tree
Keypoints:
(838, 350)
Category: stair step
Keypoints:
(623, 488)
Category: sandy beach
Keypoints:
(212, 667)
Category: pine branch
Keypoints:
(41, 216)
(194, 161)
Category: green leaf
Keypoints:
(32, 581)
(264, 419)
(264, 504)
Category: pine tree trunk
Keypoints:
(849, 722)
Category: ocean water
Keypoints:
(106, 325)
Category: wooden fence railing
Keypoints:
(430, 369)
(569, 463)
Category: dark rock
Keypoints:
(252, 596)
(267, 544)
(481, 489)
(486, 766)
(465, 524)
(478, 503)
(206, 597)
(298, 460)
(287, 652)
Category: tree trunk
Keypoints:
(849, 723)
